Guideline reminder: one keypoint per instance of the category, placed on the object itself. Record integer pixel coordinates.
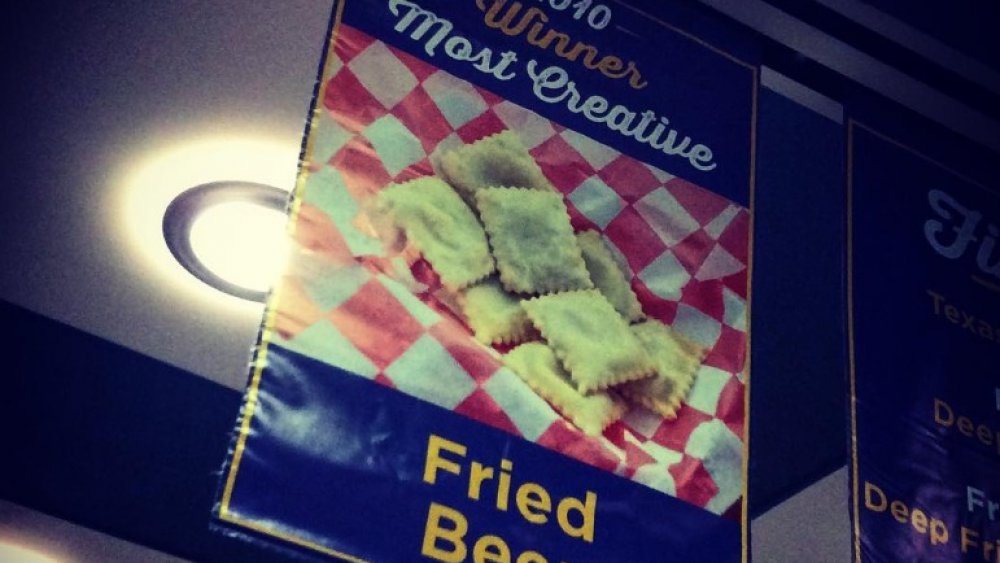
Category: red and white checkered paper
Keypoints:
(348, 301)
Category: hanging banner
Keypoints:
(925, 346)
(514, 326)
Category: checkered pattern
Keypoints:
(350, 301)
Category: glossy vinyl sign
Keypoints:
(572, 391)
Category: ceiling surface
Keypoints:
(96, 93)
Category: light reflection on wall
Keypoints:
(244, 243)
(13, 553)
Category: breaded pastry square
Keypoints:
(496, 316)
(497, 160)
(532, 240)
(677, 361)
(590, 338)
(607, 275)
(537, 365)
(442, 227)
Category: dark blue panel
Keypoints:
(798, 372)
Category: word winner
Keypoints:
(446, 528)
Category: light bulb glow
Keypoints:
(243, 243)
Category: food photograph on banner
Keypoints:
(514, 322)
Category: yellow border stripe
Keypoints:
(850, 341)
(267, 331)
(745, 512)
(258, 368)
